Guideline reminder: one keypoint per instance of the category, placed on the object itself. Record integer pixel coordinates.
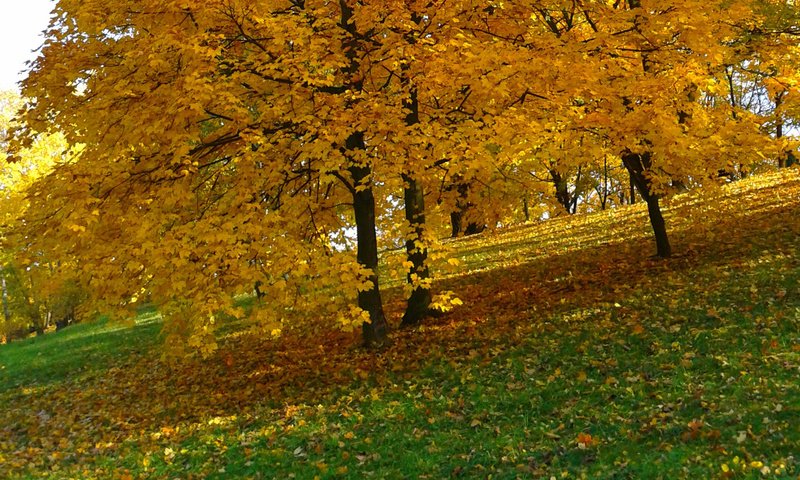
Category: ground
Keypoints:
(574, 355)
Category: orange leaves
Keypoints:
(698, 429)
(585, 440)
(637, 329)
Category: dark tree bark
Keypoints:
(604, 191)
(565, 198)
(376, 331)
(257, 289)
(637, 164)
(455, 223)
(526, 208)
(663, 248)
(419, 302)
(465, 210)
(562, 190)
(6, 311)
(782, 160)
(789, 158)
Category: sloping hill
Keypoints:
(575, 354)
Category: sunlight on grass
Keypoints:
(575, 354)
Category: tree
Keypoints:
(648, 101)
(231, 144)
(37, 292)
(223, 140)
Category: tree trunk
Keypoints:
(636, 164)
(455, 223)
(420, 300)
(604, 197)
(464, 210)
(6, 311)
(526, 209)
(562, 190)
(376, 331)
(782, 160)
(663, 248)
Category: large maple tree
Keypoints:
(232, 144)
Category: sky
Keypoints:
(21, 24)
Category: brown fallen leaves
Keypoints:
(146, 404)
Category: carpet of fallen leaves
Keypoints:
(534, 376)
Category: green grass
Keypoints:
(515, 410)
(80, 349)
(680, 369)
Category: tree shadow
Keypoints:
(504, 303)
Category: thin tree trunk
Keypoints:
(576, 193)
(526, 208)
(462, 206)
(6, 311)
(636, 164)
(376, 331)
(605, 183)
(663, 248)
(779, 128)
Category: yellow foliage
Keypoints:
(215, 144)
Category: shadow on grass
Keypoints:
(506, 307)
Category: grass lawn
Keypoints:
(575, 355)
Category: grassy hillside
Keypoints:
(575, 355)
